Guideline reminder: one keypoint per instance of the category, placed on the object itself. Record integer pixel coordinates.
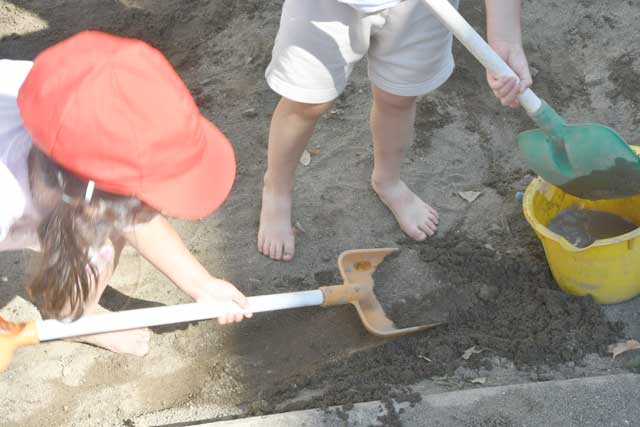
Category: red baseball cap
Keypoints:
(114, 111)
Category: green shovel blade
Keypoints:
(590, 161)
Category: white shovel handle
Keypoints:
(465, 33)
(156, 316)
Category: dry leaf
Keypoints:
(623, 347)
(534, 71)
(470, 352)
(469, 196)
(298, 226)
(480, 380)
(314, 151)
(251, 112)
(305, 159)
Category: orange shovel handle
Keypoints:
(14, 335)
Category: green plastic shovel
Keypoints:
(587, 160)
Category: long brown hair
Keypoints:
(64, 276)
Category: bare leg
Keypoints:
(135, 341)
(392, 123)
(291, 128)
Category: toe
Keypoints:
(144, 349)
(260, 243)
(289, 248)
(429, 228)
(417, 234)
(277, 251)
(264, 250)
(433, 213)
(272, 250)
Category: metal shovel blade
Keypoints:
(590, 161)
(357, 267)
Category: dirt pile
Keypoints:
(499, 304)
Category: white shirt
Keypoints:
(369, 6)
(18, 216)
(19, 219)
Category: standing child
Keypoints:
(98, 138)
(409, 54)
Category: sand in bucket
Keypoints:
(581, 227)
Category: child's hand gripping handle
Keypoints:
(465, 33)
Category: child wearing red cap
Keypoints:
(98, 136)
(408, 55)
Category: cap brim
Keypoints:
(204, 187)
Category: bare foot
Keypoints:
(134, 342)
(416, 218)
(275, 235)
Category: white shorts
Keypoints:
(320, 41)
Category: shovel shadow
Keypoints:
(114, 300)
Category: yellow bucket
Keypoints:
(608, 269)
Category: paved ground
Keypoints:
(596, 401)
